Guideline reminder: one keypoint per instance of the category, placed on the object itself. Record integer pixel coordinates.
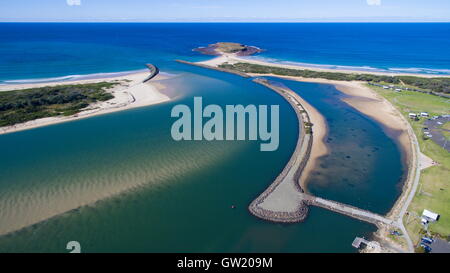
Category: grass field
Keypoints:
(433, 192)
(446, 126)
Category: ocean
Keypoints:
(120, 183)
(48, 50)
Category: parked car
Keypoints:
(427, 239)
(427, 248)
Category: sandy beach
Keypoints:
(365, 101)
(368, 102)
(360, 97)
(232, 58)
(130, 93)
(319, 148)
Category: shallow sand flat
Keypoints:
(361, 97)
(319, 148)
(127, 95)
(367, 102)
(40, 201)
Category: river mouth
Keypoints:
(164, 196)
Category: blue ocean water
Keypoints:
(46, 50)
(118, 182)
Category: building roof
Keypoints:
(430, 214)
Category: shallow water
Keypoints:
(364, 167)
(148, 193)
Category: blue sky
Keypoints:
(225, 10)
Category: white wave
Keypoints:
(348, 67)
(421, 70)
(72, 77)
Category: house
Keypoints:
(429, 215)
(398, 90)
(412, 115)
(424, 114)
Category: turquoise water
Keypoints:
(148, 193)
(364, 166)
(119, 183)
(48, 50)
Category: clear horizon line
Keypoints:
(448, 21)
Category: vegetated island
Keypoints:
(26, 106)
(363, 88)
(221, 48)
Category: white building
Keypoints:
(424, 114)
(429, 215)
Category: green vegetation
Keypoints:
(227, 47)
(308, 130)
(19, 106)
(433, 192)
(308, 127)
(438, 85)
(446, 134)
(446, 126)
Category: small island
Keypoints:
(222, 48)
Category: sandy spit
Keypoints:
(231, 58)
(131, 93)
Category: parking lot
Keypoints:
(433, 129)
(440, 246)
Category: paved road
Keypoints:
(434, 127)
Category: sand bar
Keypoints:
(130, 93)
(232, 58)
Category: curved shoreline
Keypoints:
(298, 161)
(231, 58)
(406, 139)
(133, 91)
(284, 200)
(363, 101)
